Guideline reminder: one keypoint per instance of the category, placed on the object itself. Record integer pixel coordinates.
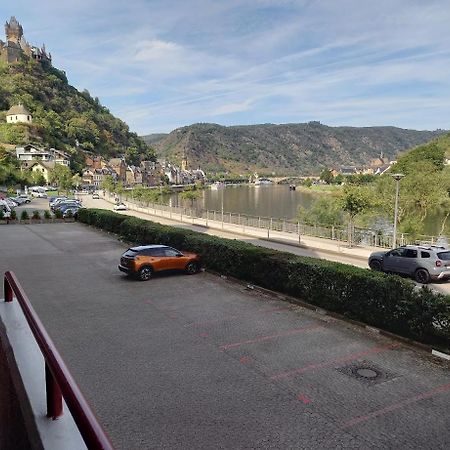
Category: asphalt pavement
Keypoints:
(200, 362)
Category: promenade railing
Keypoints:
(359, 236)
(59, 382)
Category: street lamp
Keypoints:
(222, 186)
(397, 177)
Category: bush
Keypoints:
(24, 215)
(47, 215)
(13, 215)
(2, 214)
(58, 214)
(36, 215)
(381, 300)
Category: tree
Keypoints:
(62, 176)
(355, 200)
(132, 156)
(191, 194)
(108, 183)
(327, 176)
(77, 180)
(325, 210)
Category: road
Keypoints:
(314, 247)
(199, 362)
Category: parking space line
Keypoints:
(438, 390)
(351, 357)
(270, 337)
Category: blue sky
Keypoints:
(160, 65)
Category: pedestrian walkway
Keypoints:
(170, 216)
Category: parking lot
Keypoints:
(199, 362)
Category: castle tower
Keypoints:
(184, 161)
(13, 31)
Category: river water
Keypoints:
(276, 201)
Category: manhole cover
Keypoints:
(366, 372)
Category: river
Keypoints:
(272, 201)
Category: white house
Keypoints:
(18, 113)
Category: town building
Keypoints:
(18, 113)
(30, 153)
(44, 168)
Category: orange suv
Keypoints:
(144, 260)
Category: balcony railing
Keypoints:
(59, 382)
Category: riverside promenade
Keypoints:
(314, 247)
(305, 244)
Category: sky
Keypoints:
(163, 64)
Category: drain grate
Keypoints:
(366, 372)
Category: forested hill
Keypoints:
(62, 116)
(303, 148)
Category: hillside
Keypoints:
(152, 139)
(303, 148)
(62, 116)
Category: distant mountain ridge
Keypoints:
(303, 148)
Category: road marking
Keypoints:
(270, 337)
(438, 390)
(304, 399)
(351, 357)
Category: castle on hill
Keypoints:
(16, 46)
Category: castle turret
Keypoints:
(13, 31)
(16, 46)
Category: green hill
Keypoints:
(303, 148)
(62, 116)
(434, 153)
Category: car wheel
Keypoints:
(422, 276)
(145, 273)
(191, 268)
(375, 265)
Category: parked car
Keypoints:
(67, 201)
(144, 260)
(120, 207)
(13, 202)
(4, 207)
(423, 263)
(66, 204)
(53, 200)
(70, 211)
(95, 196)
(25, 197)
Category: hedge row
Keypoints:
(389, 302)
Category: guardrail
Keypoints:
(59, 382)
(359, 236)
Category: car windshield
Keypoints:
(131, 253)
(445, 256)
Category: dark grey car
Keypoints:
(423, 263)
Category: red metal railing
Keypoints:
(59, 382)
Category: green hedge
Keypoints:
(386, 301)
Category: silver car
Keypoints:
(423, 263)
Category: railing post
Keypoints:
(54, 396)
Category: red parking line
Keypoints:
(291, 373)
(438, 390)
(272, 336)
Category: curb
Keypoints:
(284, 297)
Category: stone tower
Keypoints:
(15, 46)
(13, 31)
